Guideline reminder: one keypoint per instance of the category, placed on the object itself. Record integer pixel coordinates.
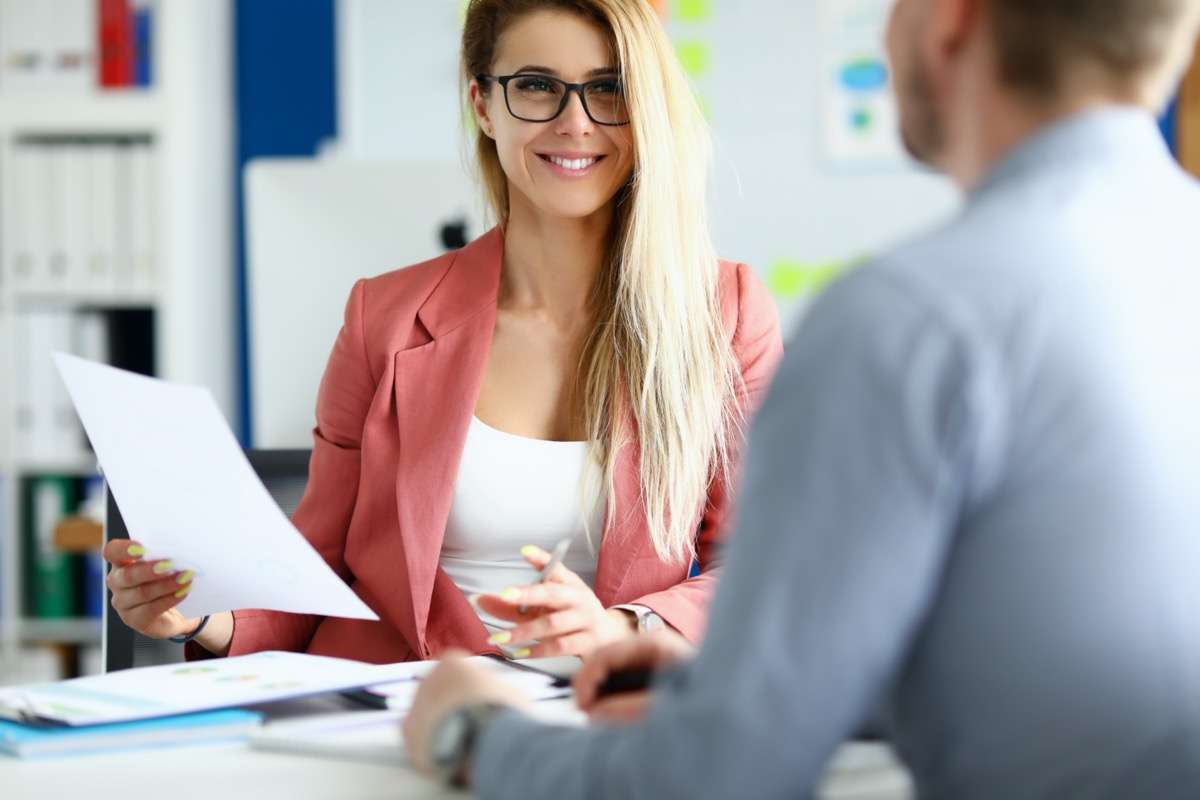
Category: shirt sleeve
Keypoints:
(852, 488)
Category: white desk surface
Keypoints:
(232, 771)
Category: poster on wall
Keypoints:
(858, 110)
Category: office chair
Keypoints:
(283, 472)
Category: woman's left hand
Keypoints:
(563, 615)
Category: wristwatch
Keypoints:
(647, 620)
(455, 737)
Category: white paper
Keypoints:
(401, 692)
(149, 692)
(187, 492)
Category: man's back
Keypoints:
(973, 494)
(1061, 655)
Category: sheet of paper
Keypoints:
(148, 692)
(187, 492)
(532, 685)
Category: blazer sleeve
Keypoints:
(325, 510)
(758, 345)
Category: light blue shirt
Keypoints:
(972, 498)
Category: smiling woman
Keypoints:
(583, 372)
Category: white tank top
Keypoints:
(513, 491)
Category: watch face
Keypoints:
(448, 738)
(651, 622)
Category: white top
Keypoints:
(513, 491)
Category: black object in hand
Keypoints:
(630, 680)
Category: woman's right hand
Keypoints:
(145, 593)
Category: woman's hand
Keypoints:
(563, 615)
(652, 651)
(145, 593)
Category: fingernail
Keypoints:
(529, 551)
(183, 591)
(522, 653)
(163, 567)
(511, 594)
(186, 577)
(135, 551)
(504, 637)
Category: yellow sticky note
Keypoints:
(696, 57)
(791, 278)
(693, 10)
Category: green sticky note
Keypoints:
(696, 57)
(693, 10)
(790, 278)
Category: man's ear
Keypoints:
(480, 106)
(949, 28)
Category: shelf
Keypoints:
(122, 111)
(78, 630)
(81, 465)
(27, 299)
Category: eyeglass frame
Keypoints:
(569, 89)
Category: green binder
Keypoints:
(50, 584)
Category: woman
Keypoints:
(582, 371)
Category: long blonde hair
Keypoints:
(658, 349)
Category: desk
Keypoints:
(234, 771)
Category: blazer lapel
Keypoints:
(436, 386)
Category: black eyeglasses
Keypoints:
(540, 98)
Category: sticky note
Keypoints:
(693, 10)
(695, 56)
(791, 278)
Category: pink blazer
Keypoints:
(393, 410)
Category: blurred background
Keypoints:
(188, 189)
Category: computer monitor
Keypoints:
(314, 227)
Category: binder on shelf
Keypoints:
(50, 581)
(26, 32)
(143, 43)
(72, 63)
(123, 184)
(25, 221)
(116, 45)
(143, 201)
(56, 274)
(47, 427)
(76, 173)
(101, 217)
(92, 571)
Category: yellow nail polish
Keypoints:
(522, 653)
(529, 551)
(163, 567)
(135, 551)
(511, 594)
(183, 591)
(504, 637)
(186, 577)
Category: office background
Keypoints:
(188, 190)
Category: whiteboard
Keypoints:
(312, 229)
(762, 68)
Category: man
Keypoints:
(973, 495)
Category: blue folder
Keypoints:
(28, 741)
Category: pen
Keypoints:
(556, 558)
(629, 680)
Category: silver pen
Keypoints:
(556, 557)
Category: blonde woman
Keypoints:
(582, 372)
